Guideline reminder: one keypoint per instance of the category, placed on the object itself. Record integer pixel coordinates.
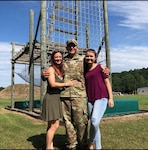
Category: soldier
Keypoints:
(74, 103)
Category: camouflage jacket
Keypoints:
(74, 70)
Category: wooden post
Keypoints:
(43, 47)
(76, 18)
(107, 47)
(87, 37)
(12, 76)
(31, 85)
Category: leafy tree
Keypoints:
(129, 81)
(116, 83)
(1, 88)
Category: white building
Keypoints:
(142, 90)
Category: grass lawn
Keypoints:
(20, 131)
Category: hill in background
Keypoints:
(20, 91)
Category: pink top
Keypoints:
(95, 86)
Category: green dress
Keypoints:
(51, 107)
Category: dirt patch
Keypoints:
(20, 91)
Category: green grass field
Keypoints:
(23, 132)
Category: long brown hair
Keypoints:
(59, 70)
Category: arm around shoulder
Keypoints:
(45, 74)
(106, 70)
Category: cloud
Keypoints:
(5, 64)
(128, 45)
(134, 13)
(5, 54)
(5, 47)
(129, 58)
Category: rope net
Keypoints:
(81, 20)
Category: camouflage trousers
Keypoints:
(76, 121)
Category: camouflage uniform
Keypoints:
(74, 103)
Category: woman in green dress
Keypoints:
(51, 107)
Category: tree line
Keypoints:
(129, 81)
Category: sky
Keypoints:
(128, 34)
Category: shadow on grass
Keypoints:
(39, 141)
(59, 141)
